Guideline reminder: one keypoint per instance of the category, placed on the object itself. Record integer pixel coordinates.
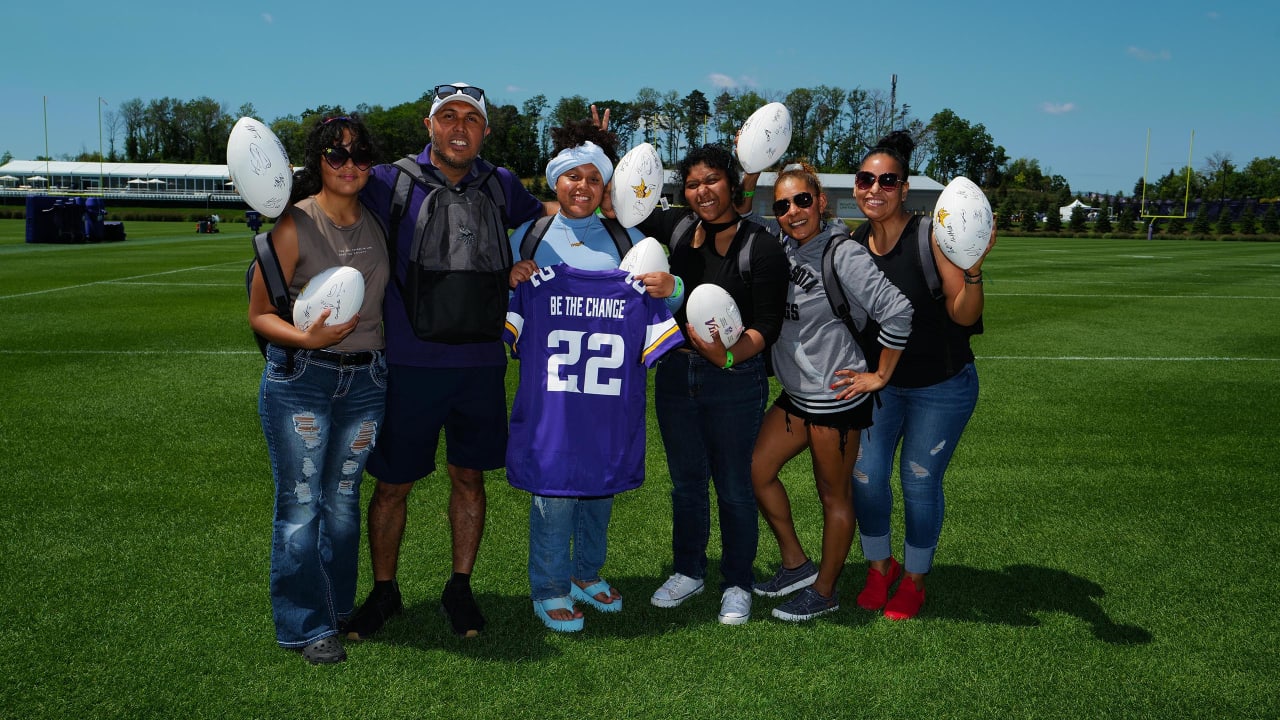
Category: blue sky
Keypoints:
(1075, 86)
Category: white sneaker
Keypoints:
(735, 606)
(676, 590)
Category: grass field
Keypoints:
(1109, 548)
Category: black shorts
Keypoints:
(856, 418)
(469, 404)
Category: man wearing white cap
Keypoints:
(459, 389)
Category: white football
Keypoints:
(962, 222)
(711, 308)
(339, 288)
(636, 184)
(259, 166)
(764, 137)
(645, 256)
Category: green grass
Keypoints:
(1108, 551)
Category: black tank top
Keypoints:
(937, 348)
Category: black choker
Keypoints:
(713, 229)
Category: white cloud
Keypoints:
(1057, 108)
(1213, 15)
(1149, 55)
(720, 80)
(514, 89)
(266, 17)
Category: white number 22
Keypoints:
(561, 367)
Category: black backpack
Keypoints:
(529, 243)
(456, 286)
(685, 228)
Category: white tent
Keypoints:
(1066, 210)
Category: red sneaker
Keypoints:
(876, 593)
(906, 602)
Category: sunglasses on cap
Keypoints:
(802, 200)
(864, 180)
(338, 156)
(444, 92)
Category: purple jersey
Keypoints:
(585, 340)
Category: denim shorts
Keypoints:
(468, 404)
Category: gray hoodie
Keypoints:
(814, 343)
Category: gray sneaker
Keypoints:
(676, 590)
(788, 581)
(806, 606)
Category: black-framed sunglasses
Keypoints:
(802, 200)
(444, 92)
(864, 180)
(338, 156)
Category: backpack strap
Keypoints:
(744, 256)
(529, 243)
(621, 238)
(831, 282)
(927, 263)
(264, 253)
(685, 227)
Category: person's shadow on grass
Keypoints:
(1016, 594)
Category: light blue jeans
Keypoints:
(320, 420)
(555, 523)
(927, 422)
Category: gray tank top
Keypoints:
(322, 245)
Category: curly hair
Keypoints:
(326, 133)
(716, 158)
(576, 132)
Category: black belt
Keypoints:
(343, 359)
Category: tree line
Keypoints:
(832, 129)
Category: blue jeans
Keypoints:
(320, 422)
(928, 422)
(555, 522)
(709, 420)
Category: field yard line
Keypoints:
(1126, 295)
(118, 280)
(1121, 358)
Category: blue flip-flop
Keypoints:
(588, 596)
(541, 607)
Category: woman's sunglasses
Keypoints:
(802, 201)
(338, 156)
(864, 180)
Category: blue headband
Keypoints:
(569, 158)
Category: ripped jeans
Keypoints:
(320, 421)
(928, 422)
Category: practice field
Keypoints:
(1109, 548)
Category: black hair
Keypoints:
(716, 158)
(897, 145)
(326, 133)
(576, 132)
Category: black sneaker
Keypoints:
(787, 581)
(459, 605)
(381, 605)
(806, 606)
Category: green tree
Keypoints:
(1004, 218)
(1261, 178)
(1224, 226)
(1103, 225)
(1271, 220)
(1128, 219)
(1176, 226)
(1248, 221)
(6, 158)
(963, 149)
(1029, 222)
(1053, 220)
(697, 114)
(570, 109)
(1078, 220)
(1201, 225)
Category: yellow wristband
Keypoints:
(728, 359)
